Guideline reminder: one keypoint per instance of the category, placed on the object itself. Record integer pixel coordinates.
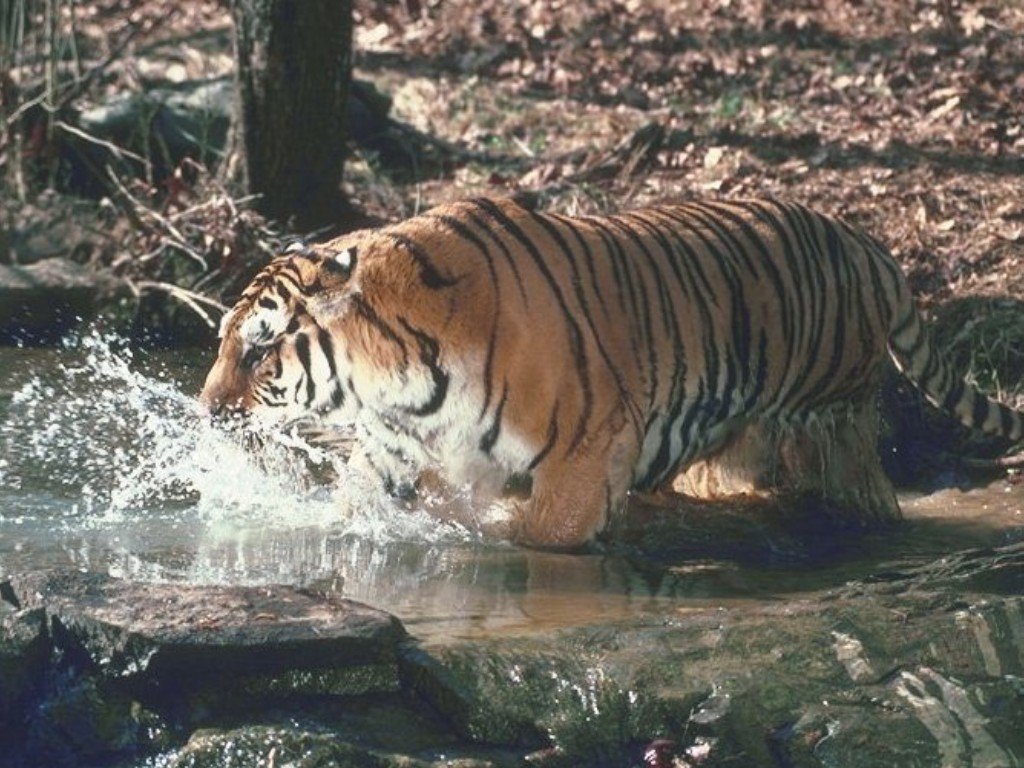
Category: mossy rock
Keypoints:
(296, 748)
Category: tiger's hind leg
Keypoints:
(574, 496)
(831, 457)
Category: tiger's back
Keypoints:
(602, 354)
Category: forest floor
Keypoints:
(906, 118)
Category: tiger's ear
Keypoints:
(298, 247)
(336, 267)
(344, 259)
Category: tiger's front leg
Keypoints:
(389, 454)
(574, 496)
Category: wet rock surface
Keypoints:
(920, 664)
(95, 668)
(173, 631)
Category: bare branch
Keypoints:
(191, 299)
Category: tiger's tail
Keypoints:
(915, 354)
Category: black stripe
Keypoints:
(365, 311)
(429, 353)
(492, 344)
(491, 435)
(761, 377)
(767, 260)
(642, 301)
(327, 347)
(576, 340)
(581, 298)
(720, 400)
(706, 214)
(802, 221)
(352, 388)
(834, 249)
(707, 409)
(588, 257)
(429, 274)
(302, 350)
(549, 443)
(504, 251)
(620, 279)
(337, 395)
(664, 460)
(884, 307)
(464, 232)
(796, 318)
(697, 290)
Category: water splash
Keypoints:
(109, 441)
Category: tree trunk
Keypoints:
(293, 69)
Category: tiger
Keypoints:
(596, 356)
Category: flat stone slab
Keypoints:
(175, 632)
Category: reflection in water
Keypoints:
(107, 464)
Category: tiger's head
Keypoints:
(276, 358)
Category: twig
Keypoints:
(120, 151)
(216, 201)
(189, 298)
(176, 238)
(206, 279)
(524, 147)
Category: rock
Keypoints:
(163, 124)
(43, 301)
(50, 225)
(85, 719)
(24, 647)
(190, 635)
(92, 668)
(188, 119)
(920, 666)
(260, 745)
(532, 692)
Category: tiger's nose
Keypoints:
(218, 408)
(213, 405)
(219, 401)
(223, 389)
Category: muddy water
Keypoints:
(106, 464)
